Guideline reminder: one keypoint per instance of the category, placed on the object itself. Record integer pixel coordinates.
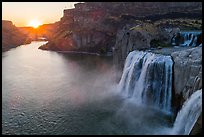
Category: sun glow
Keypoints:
(34, 23)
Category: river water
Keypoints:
(45, 92)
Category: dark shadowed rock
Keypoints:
(197, 129)
(199, 41)
(11, 36)
(179, 39)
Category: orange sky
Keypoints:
(21, 13)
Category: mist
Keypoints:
(69, 94)
(97, 91)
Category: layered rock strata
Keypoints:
(92, 26)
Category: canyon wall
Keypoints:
(93, 26)
(187, 74)
(11, 36)
(45, 31)
(121, 27)
(187, 68)
(139, 36)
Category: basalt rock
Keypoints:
(179, 39)
(187, 74)
(93, 26)
(132, 37)
(11, 36)
(139, 36)
(187, 68)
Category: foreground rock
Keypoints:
(187, 79)
(187, 74)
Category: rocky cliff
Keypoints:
(187, 69)
(187, 76)
(139, 36)
(11, 36)
(123, 26)
(92, 26)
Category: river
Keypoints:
(45, 92)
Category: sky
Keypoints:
(21, 13)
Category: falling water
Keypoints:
(189, 39)
(147, 78)
(189, 114)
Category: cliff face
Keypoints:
(92, 26)
(139, 36)
(187, 74)
(187, 69)
(11, 36)
(187, 79)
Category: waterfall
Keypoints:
(189, 114)
(147, 78)
(188, 38)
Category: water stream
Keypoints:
(50, 93)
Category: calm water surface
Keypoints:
(45, 92)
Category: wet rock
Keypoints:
(131, 37)
(199, 40)
(187, 74)
(178, 39)
(197, 129)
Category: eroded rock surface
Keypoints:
(187, 73)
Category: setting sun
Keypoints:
(34, 23)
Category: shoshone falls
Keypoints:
(147, 79)
(144, 98)
(137, 71)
